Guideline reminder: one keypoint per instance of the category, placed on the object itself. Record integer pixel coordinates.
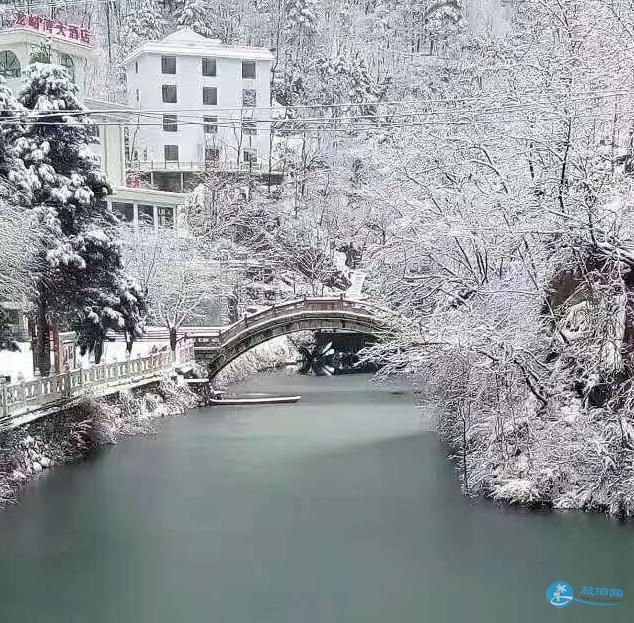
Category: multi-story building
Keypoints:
(27, 38)
(200, 106)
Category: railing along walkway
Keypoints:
(21, 399)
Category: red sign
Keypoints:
(53, 27)
(133, 181)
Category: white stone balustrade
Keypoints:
(20, 398)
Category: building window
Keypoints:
(209, 67)
(210, 96)
(125, 211)
(165, 217)
(66, 61)
(9, 65)
(250, 156)
(249, 97)
(171, 153)
(137, 95)
(169, 93)
(250, 128)
(136, 67)
(168, 64)
(212, 154)
(146, 215)
(170, 123)
(248, 69)
(40, 54)
(211, 125)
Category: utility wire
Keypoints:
(538, 112)
(583, 96)
(317, 128)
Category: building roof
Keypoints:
(147, 195)
(104, 110)
(186, 42)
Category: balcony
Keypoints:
(198, 166)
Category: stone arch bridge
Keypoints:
(217, 347)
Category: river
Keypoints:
(340, 509)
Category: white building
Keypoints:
(201, 99)
(32, 38)
(28, 38)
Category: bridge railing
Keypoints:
(305, 304)
(217, 335)
(20, 398)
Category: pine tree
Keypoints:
(16, 181)
(19, 232)
(81, 282)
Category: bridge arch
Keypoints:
(220, 348)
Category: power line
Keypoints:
(537, 110)
(588, 95)
(317, 128)
(387, 118)
(583, 96)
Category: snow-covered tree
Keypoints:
(181, 277)
(196, 14)
(18, 229)
(16, 180)
(144, 22)
(509, 257)
(20, 245)
(80, 281)
(301, 17)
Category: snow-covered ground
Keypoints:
(18, 365)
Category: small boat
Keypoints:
(254, 400)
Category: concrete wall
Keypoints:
(110, 152)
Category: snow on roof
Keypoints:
(187, 35)
(186, 42)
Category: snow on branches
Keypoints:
(77, 270)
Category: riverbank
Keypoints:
(71, 435)
(76, 432)
(561, 456)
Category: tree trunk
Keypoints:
(98, 351)
(129, 343)
(173, 339)
(43, 351)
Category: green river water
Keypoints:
(342, 508)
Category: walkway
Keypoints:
(21, 403)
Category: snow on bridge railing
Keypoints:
(217, 336)
(21, 398)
